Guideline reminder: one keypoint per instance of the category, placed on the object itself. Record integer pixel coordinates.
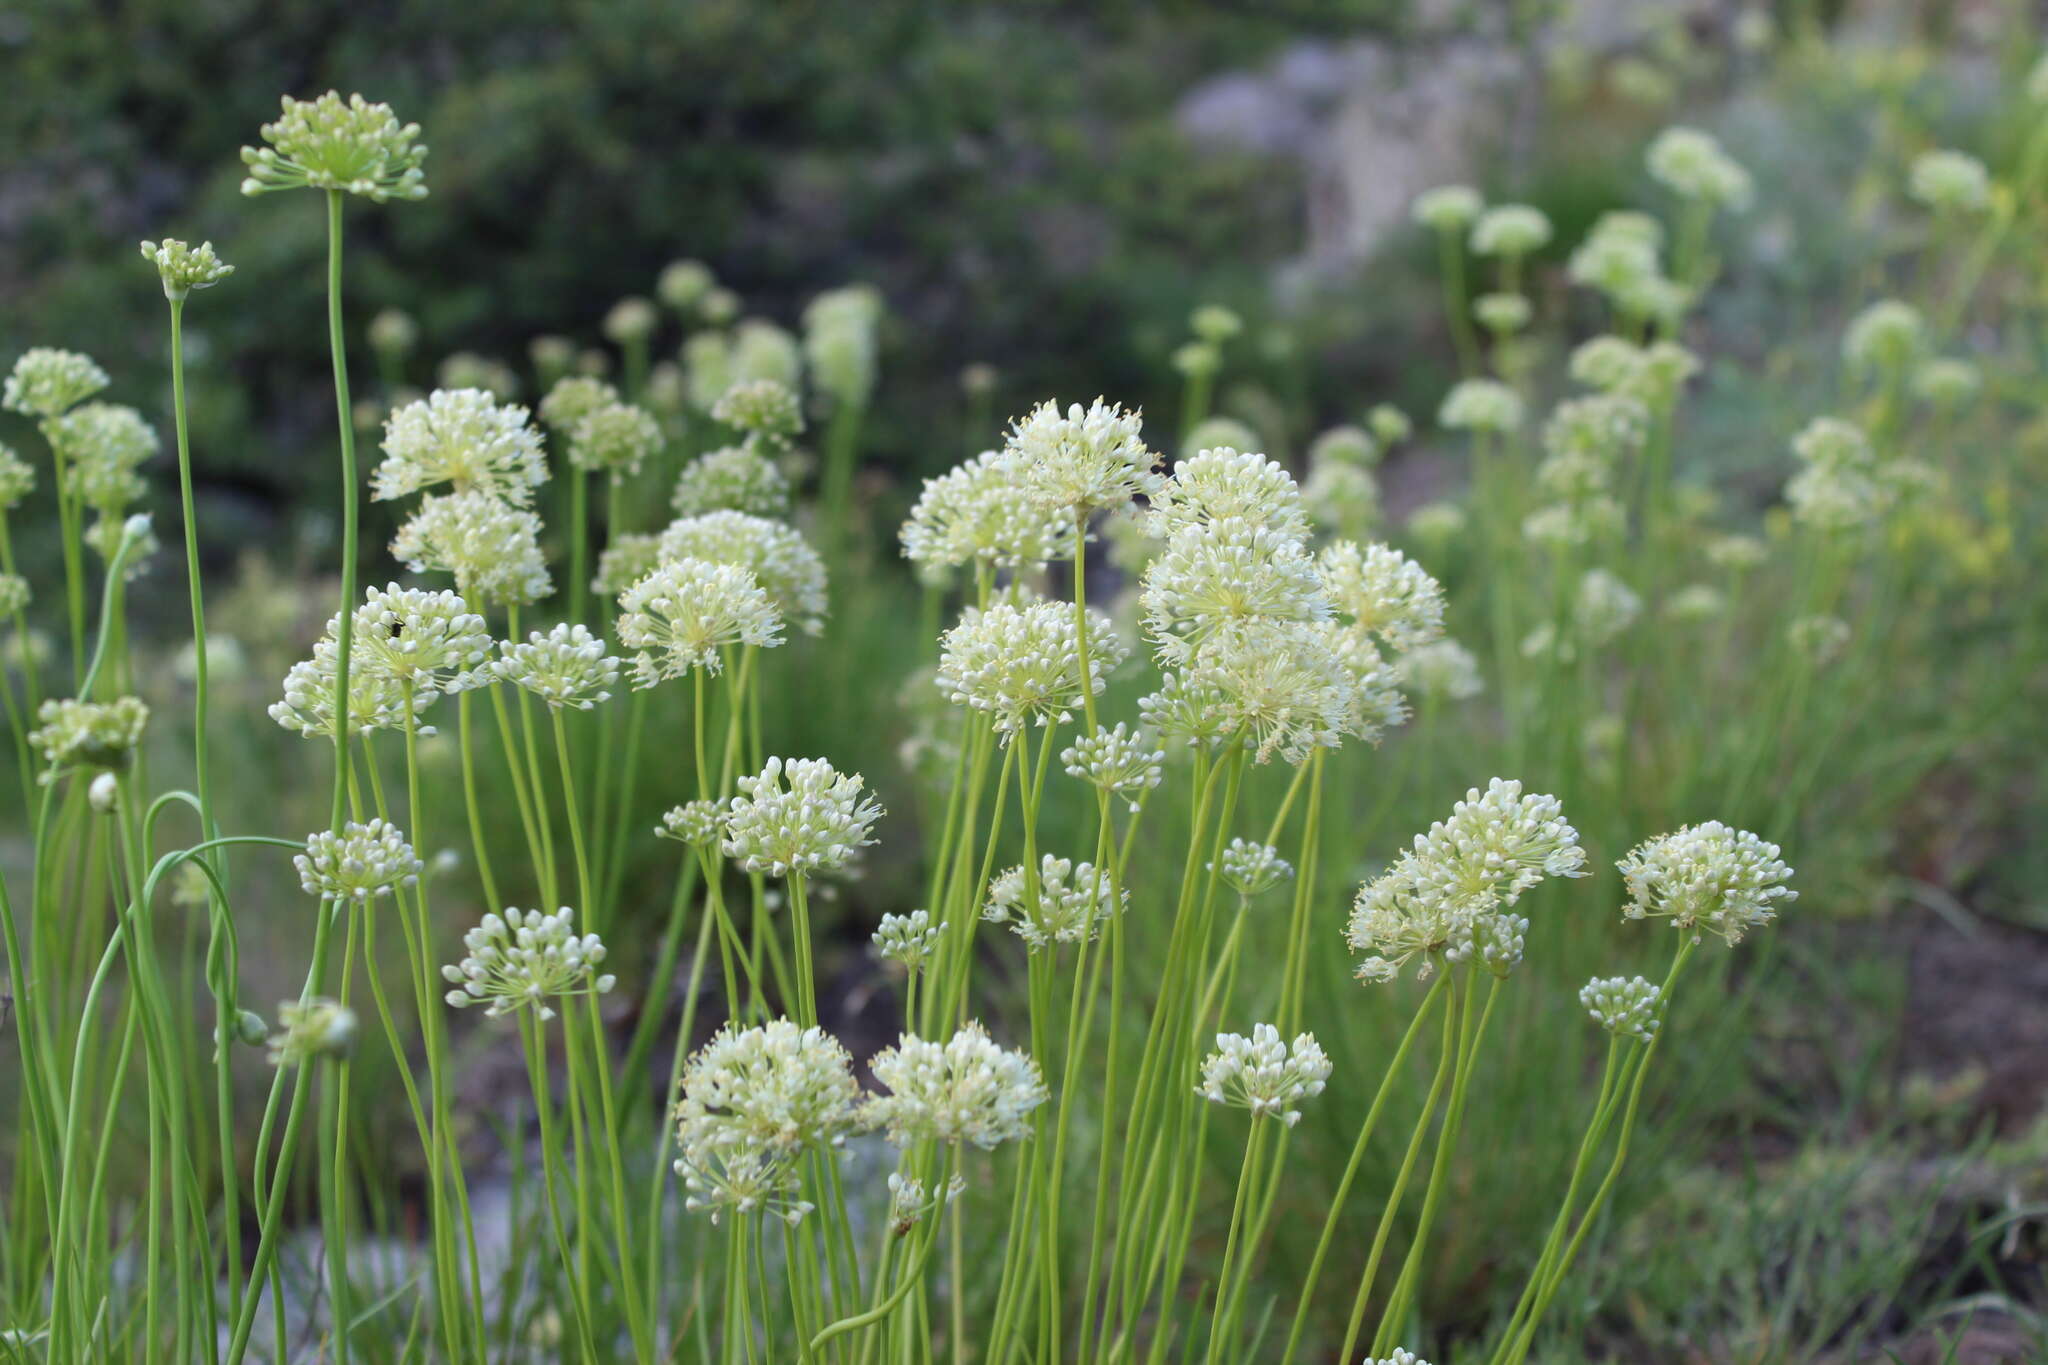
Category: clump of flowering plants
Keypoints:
(1168, 701)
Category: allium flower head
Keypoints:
(1510, 230)
(907, 940)
(1709, 875)
(1341, 497)
(1950, 182)
(1346, 445)
(492, 549)
(1022, 665)
(1447, 208)
(781, 1085)
(972, 514)
(765, 409)
(1264, 1073)
(1287, 687)
(1738, 553)
(699, 824)
(1227, 573)
(103, 444)
(1614, 262)
(393, 332)
(616, 438)
(1082, 460)
(1503, 314)
(1623, 1005)
(1884, 338)
(361, 863)
(1119, 760)
(464, 438)
(1251, 869)
(735, 478)
(46, 382)
(430, 640)
(683, 284)
(1480, 405)
(1695, 602)
(376, 700)
(311, 1029)
(1495, 846)
(525, 959)
(629, 558)
(332, 144)
(1390, 426)
(630, 320)
(1442, 670)
(1071, 905)
(1383, 592)
(96, 734)
(1605, 607)
(573, 398)
(15, 594)
(681, 615)
(967, 1089)
(1692, 165)
(798, 816)
(1227, 485)
(1606, 428)
(1942, 381)
(184, 268)
(567, 666)
(17, 479)
(1399, 1357)
(782, 562)
(1838, 488)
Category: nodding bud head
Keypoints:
(104, 793)
(250, 1029)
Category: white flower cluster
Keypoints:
(1707, 875)
(464, 438)
(753, 1100)
(732, 478)
(1224, 574)
(1227, 485)
(17, 479)
(1264, 1073)
(375, 701)
(764, 410)
(1385, 594)
(1692, 165)
(332, 144)
(1623, 1005)
(1884, 339)
(1252, 869)
(782, 562)
(1022, 664)
(1481, 405)
(683, 613)
(418, 637)
(98, 734)
(361, 863)
(1119, 760)
(1447, 208)
(907, 940)
(840, 343)
(700, 824)
(183, 267)
(967, 1089)
(524, 959)
(1510, 230)
(103, 444)
(1081, 460)
(1495, 846)
(798, 816)
(1950, 182)
(1621, 258)
(1839, 485)
(972, 514)
(567, 666)
(1818, 639)
(909, 1202)
(310, 1029)
(573, 398)
(492, 548)
(1651, 374)
(615, 438)
(1068, 902)
(47, 382)
(1442, 670)
(1399, 1357)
